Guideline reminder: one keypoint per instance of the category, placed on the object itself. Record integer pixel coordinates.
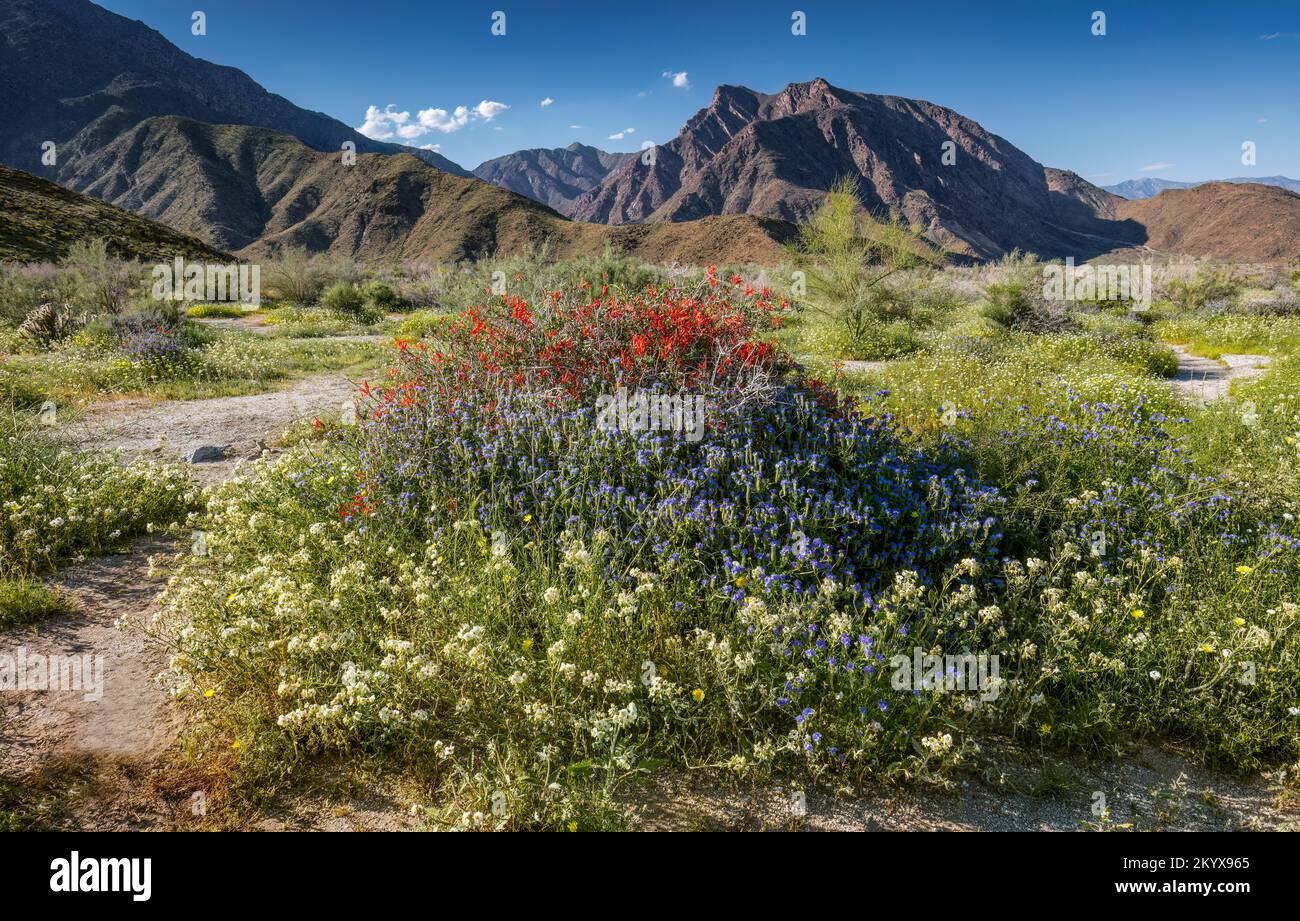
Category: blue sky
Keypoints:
(1172, 90)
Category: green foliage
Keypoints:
(105, 283)
(293, 276)
(26, 600)
(345, 298)
(847, 258)
(1209, 285)
(381, 296)
(216, 311)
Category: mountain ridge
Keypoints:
(73, 92)
(776, 154)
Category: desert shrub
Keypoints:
(23, 288)
(46, 325)
(337, 269)
(293, 276)
(345, 298)
(105, 283)
(1209, 286)
(848, 257)
(1015, 299)
(381, 297)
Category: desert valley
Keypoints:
(832, 464)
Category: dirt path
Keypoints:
(96, 744)
(1204, 380)
(102, 751)
(239, 426)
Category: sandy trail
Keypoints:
(1204, 380)
(106, 754)
(242, 425)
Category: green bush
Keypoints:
(381, 296)
(343, 297)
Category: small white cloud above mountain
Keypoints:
(387, 123)
(1150, 167)
(547, 101)
(679, 79)
(383, 124)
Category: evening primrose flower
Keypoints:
(1245, 570)
(697, 695)
(1139, 613)
(1239, 621)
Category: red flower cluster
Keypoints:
(574, 345)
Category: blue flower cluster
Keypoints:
(780, 494)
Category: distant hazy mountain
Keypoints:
(777, 155)
(39, 222)
(76, 74)
(553, 177)
(1145, 188)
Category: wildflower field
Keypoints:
(605, 524)
(487, 590)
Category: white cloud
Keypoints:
(1155, 166)
(488, 110)
(678, 78)
(1260, 121)
(383, 124)
(442, 120)
(576, 127)
(547, 101)
(433, 147)
(617, 137)
(629, 131)
(380, 125)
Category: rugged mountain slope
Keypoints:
(254, 190)
(553, 177)
(776, 155)
(39, 221)
(1219, 220)
(1145, 188)
(77, 74)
